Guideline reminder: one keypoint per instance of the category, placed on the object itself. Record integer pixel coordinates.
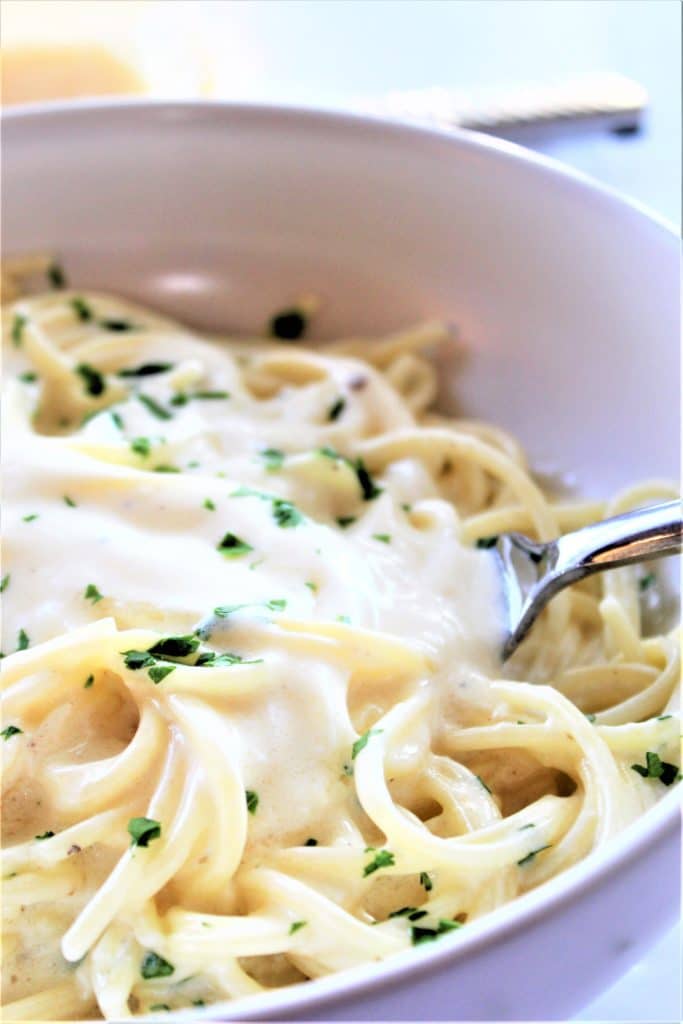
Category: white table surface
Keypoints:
(330, 53)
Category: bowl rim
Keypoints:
(658, 823)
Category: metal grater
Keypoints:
(604, 100)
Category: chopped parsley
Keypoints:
(92, 594)
(646, 582)
(483, 783)
(335, 410)
(406, 507)
(426, 881)
(419, 935)
(174, 647)
(30, 518)
(273, 458)
(159, 672)
(233, 546)
(530, 856)
(9, 731)
(385, 538)
(159, 1006)
(154, 966)
(487, 542)
(94, 381)
(412, 913)
(345, 521)
(89, 681)
(288, 325)
(69, 501)
(209, 505)
(368, 487)
(313, 587)
(56, 276)
(18, 324)
(114, 324)
(81, 308)
(285, 514)
(295, 926)
(4, 583)
(143, 830)
(144, 370)
(141, 445)
(29, 377)
(154, 407)
(655, 768)
(45, 835)
(209, 659)
(22, 640)
(382, 859)
(362, 742)
(252, 800)
(210, 395)
(137, 659)
(117, 419)
(166, 467)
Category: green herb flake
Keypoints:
(93, 380)
(385, 538)
(145, 370)
(487, 542)
(30, 518)
(426, 881)
(137, 659)
(313, 587)
(141, 446)
(336, 409)
(29, 377)
(209, 505)
(382, 859)
(4, 583)
(285, 514)
(406, 507)
(143, 830)
(273, 458)
(69, 501)
(18, 323)
(278, 604)
(362, 742)
(646, 582)
(252, 800)
(175, 647)
(288, 325)
(89, 681)
(530, 856)
(180, 398)
(345, 521)
(159, 1006)
(523, 828)
(154, 407)
(45, 835)
(165, 467)
(81, 308)
(369, 488)
(159, 672)
(295, 926)
(419, 935)
(92, 594)
(655, 768)
(56, 276)
(9, 731)
(233, 547)
(154, 966)
(115, 324)
(22, 640)
(207, 396)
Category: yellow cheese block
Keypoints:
(34, 73)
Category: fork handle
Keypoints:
(634, 537)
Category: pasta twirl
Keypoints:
(255, 724)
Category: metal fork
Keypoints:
(533, 573)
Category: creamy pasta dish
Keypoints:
(255, 723)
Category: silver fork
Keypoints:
(533, 573)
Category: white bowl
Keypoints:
(568, 300)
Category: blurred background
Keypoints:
(604, 74)
(357, 54)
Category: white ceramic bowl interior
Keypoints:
(567, 299)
